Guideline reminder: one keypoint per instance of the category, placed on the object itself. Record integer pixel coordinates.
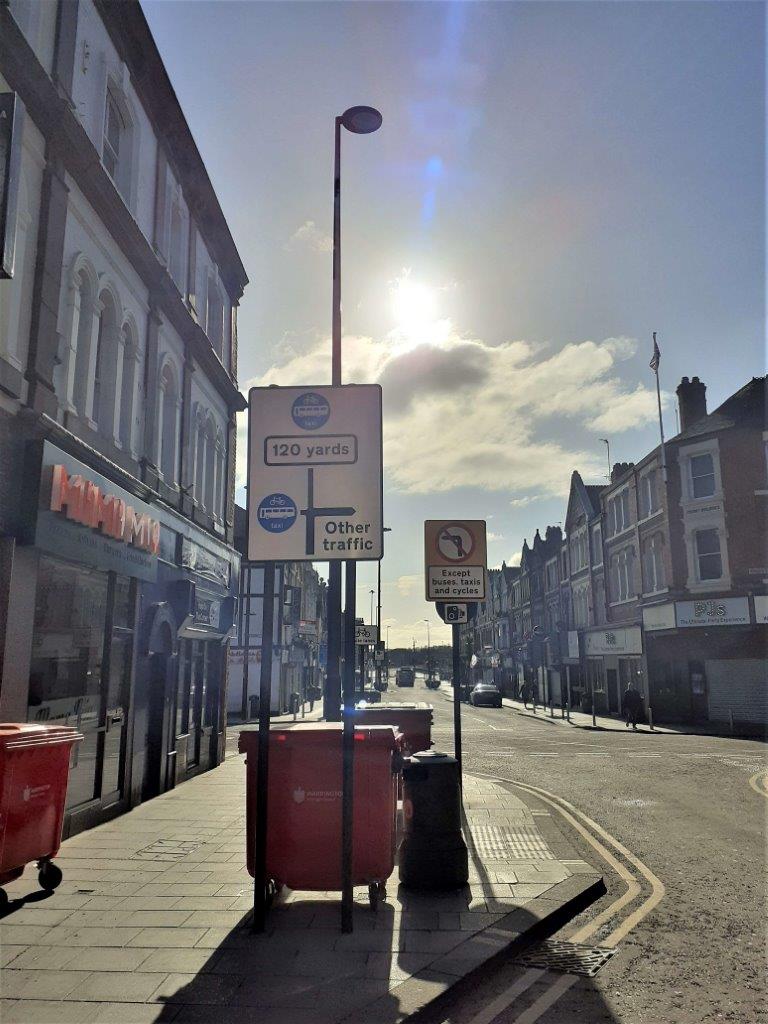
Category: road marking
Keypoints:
(501, 1002)
(564, 982)
(759, 782)
(548, 998)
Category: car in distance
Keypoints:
(485, 695)
(405, 677)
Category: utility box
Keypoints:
(433, 854)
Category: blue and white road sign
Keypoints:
(314, 459)
(277, 513)
(310, 411)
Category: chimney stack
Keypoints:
(692, 402)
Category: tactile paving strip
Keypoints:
(566, 957)
(497, 842)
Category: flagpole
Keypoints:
(656, 361)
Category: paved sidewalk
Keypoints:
(582, 720)
(151, 922)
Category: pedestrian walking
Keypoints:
(526, 694)
(632, 703)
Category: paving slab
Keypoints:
(152, 920)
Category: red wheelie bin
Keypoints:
(412, 719)
(304, 815)
(34, 772)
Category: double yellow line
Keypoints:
(606, 846)
(759, 782)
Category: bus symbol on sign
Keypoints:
(310, 411)
(277, 513)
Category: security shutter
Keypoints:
(738, 687)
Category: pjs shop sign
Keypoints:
(84, 502)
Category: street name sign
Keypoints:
(455, 557)
(366, 634)
(314, 473)
(456, 613)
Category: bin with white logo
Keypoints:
(34, 772)
(304, 807)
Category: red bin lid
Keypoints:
(23, 734)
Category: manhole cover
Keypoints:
(567, 957)
(167, 849)
(495, 842)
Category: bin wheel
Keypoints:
(49, 876)
(270, 891)
(3, 899)
(377, 892)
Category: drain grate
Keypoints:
(495, 842)
(167, 849)
(567, 957)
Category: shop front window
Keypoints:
(77, 678)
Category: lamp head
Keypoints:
(361, 120)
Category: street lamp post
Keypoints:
(360, 120)
(429, 651)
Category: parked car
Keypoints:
(485, 695)
(405, 677)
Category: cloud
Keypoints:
(515, 558)
(309, 236)
(526, 500)
(408, 584)
(490, 535)
(459, 412)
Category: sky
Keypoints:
(551, 183)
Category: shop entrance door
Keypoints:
(699, 701)
(612, 681)
(82, 653)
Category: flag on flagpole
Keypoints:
(654, 363)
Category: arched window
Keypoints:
(103, 365)
(199, 485)
(176, 248)
(117, 147)
(221, 477)
(169, 424)
(84, 308)
(210, 466)
(214, 317)
(129, 352)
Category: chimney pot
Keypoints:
(692, 401)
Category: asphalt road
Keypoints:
(684, 806)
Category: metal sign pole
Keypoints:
(456, 696)
(245, 635)
(347, 776)
(262, 779)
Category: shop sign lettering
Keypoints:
(85, 503)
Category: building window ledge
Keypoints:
(762, 493)
(655, 593)
(622, 533)
(627, 600)
(707, 586)
(651, 515)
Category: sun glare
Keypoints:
(414, 306)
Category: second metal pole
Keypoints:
(457, 696)
(347, 774)
(260, 879)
